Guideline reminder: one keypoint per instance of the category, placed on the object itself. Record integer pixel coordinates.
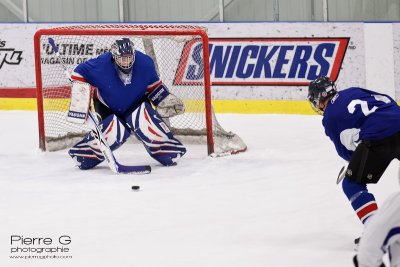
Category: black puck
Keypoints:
(135, 187)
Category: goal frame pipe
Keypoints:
(124, 31)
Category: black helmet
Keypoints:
(123, 53)
(319, 90)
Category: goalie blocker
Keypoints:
(79, 102)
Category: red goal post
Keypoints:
(171, 46)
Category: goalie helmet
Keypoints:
(319, 91)
(123, 53)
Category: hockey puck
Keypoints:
(135, 187)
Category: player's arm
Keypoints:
(167, 104)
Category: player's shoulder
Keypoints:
(143, 59)
(344, 96)
(354, 91)
(363, 94)
(105, 57)
(93, 62)
(347, 94)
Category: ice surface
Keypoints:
(275, 205)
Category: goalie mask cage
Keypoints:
(181, 57)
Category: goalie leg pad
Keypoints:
(87, 153)
(155, 135)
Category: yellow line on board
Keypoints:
(263, 106)
(220, 106)
(18, 104)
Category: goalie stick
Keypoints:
(105, 148)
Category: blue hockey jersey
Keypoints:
(102, 73)
(357, 114)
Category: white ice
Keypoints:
(275, 205)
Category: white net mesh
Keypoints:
(179, 62)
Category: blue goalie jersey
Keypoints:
(121, 97)
(357, 114)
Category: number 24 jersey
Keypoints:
(357, 114)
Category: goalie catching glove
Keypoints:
(167, 105)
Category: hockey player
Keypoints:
(381, 235)
(365, 129)
(127, 85)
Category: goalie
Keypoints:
(127, 89)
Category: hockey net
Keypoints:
(180, 53)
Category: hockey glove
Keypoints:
(170, 106)
(167, 105)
